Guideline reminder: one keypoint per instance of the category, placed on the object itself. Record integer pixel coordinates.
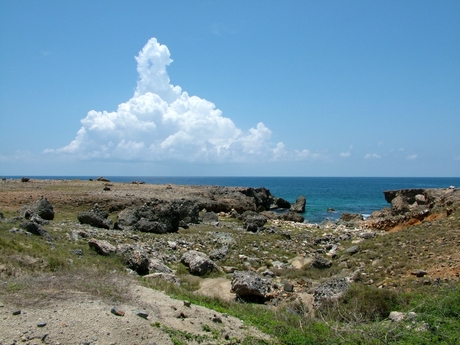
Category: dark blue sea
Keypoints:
(344, 194)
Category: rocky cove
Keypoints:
(230, 243)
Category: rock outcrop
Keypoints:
(412, 206)
(41, 207)
(299, 205)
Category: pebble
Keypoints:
(41, 324)
(117, 312)
(141, 313)
(16, 312)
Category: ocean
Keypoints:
(344, 194)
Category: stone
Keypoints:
(102, 247)
(253, 221)
(36, 229)
(136, 259)
(219, 253)
(321, 262)
(141, 314)
(41, 207)
(198, 262)
(331, 289)
(352, 250)
(209, 217)
(281, 203)
(157, 266)
(293, 217)
(397, 316)
(117, 312)
(288, 287)
(299, 205)
(250, 284)
(95, 218)
(351, 217)
(419, 273)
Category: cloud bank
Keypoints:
(162, 122)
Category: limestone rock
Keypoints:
(41, 207)
(299, 205)
(102, 247)
(250, 284)
(198, 262)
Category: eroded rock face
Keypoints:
(411, 206)
(250, 284)
(198, 263)
(299, 205)
(96, 218)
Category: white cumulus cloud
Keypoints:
(163, 122)
(372, 155)
(411, 157)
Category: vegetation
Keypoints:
(360, 316)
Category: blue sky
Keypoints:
(265, 88)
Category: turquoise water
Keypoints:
(344, 194)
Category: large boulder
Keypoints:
(321, 262)
(198, 263)
(159, 216)
(331, 289)
(41, 207)
(102, 247)
(253, 221)
(248, 284)
(299, 205)
(94, 219)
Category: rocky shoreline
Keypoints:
(233, 233)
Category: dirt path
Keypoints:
(83, 319)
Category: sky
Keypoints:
(229, 88)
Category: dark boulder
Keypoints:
(281, 203)
(299, 205)
(293, 217)
(254, 222)
(96, 218)
(145, 225)
(41, 207)
(321, 262)
(36, 229)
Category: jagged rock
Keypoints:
(219, 253)
(36, 229)
(293, 217)
(145, 225)
(137, 260)
(250, 284)
(157, 266)
(197, 262)
(321, 262)
(102, 247)
(299, 205)
(41, 207)
(96, 218)
(103, 179)
(281, 203)
(253, 222)
(331, 289)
